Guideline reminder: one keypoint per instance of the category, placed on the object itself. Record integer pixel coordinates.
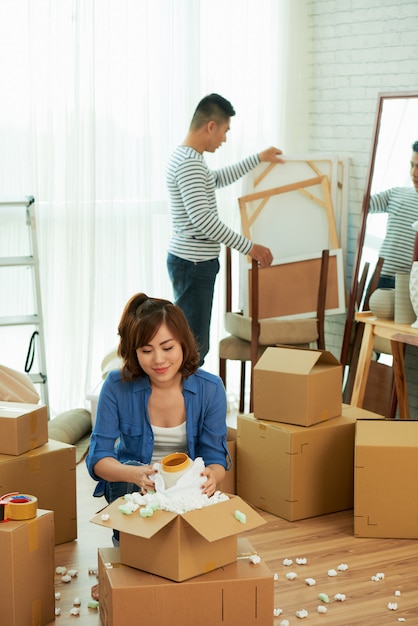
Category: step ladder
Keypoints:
(35, 318)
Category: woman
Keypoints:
(157, 403)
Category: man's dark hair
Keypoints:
(212, 107)
(415, 146)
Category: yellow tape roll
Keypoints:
(20, 507)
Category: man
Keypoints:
(401, 205)
(193, 254)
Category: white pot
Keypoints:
(382, 303)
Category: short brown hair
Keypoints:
(141, 319)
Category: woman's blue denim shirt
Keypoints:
(123, 429)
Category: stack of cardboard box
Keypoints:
(26, 545)
(295, 455)
(30, 463)
(303, 453)
(184, 564)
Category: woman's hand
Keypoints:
(215, 475)
(144, 481)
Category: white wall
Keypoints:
(356, 50)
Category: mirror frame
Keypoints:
(351, 308)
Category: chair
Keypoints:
(250, 335)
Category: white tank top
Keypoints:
(168, 440)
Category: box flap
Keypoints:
(217, 521)
(289, 360)
(212, 522)
(386, 433)
(133, 524)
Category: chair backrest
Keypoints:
(265, 301)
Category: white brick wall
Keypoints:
(356, 50)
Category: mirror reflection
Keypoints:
(393, 203)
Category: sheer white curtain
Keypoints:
(95, 95)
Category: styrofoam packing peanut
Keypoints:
(375, 579)
(146, 511)
(255, 559)
(287, 562)
(301, 560)
(275, 576)
(57, 611)
(284, 622)
(92, 571)
(93, 604)
(105, 517)
(291, 575)
(277, 612)
(72, 572)
(323, 597)
(401, 619)
(392, 606)
(302, 613)
(343, 567)
(57, 595)
(321, 608)
(380, 575)
(332, 572)
(240, 517)
(77, 601)
(66, 578)
(397, 593)
(61, 570)
(340, 597)
(310, 581)
(75, 610)
(108, 566)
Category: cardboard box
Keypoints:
(386, 479)
(49, 473)
(176, 546)
(229, 483)
(297, 386)
(237, 594)
(296, 472)
(27, 571)
(23, 427)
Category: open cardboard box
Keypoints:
(386, 479)
(233, 595)
(297, 386)
(23, 427)
(177, 546)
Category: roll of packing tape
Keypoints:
(19, 507)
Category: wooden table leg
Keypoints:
(400, 379)
(363, 366)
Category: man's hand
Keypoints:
(261, 254)
(271, 155)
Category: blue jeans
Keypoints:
(113, 491)
(386, 282)
(193, 287)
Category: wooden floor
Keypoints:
(325, 542)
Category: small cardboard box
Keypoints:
(237, 594)
(49, 473)
(296, 472)
(297, 386)
(23, 427)
(177, 546)
(386, 479)
(27, 571)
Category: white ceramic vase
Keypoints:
(413, 291)
(382, 303)
(404, 313)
